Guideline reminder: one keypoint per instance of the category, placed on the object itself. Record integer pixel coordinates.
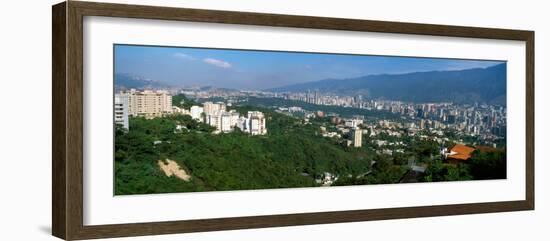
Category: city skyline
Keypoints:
(258, 70)
(289, 120)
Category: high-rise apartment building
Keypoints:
(215, 121)
(225, 122)
(357, 137)
(121, 110)
(256, 122)
(422, 124)
(196, 112)
(149, 103)
(213, 108)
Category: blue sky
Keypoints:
(250, 70)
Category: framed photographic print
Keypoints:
(171, 120)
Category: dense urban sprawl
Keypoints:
(315, 139)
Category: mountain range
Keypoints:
(124, 81)
(484, 85)
(130, 81)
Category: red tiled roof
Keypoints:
(462, 152)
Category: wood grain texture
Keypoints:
(67, 136)
(279, 20)
(74, 110)
(59, 192)
(121, 230)
(530, 120)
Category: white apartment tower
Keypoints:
(121, 110)
(213, 108)
(234, 119)
(215, 121)
(225, 122)
(196, 112)
(256, 123)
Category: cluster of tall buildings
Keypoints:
(151, 104)
(474, 119)
(470, 119)
(217, 115)
(315, 97)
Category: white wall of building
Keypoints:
(121, 110)
(196, 112)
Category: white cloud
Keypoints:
(217, 63)
(183, 56)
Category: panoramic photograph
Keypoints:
(192, 119)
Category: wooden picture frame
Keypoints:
(67, 137)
